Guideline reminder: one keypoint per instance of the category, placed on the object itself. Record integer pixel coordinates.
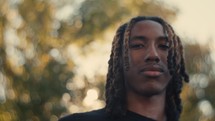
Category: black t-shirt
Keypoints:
(100, 115)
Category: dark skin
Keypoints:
(148, 76)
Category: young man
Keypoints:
(145, 74)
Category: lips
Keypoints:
(152, 71)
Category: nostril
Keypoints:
(152, 59)
(157, 60)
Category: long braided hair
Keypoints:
(115, 87)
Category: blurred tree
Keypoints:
(33, 68)
(199, 97)
(37, 40)
(93, 17)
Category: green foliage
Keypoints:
(200, 68)
(35, 80)
(37, 71)
(95, 16)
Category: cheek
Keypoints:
(135, 58)
(163, 57)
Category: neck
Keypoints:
(152, 107)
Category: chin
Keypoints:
(150, 91)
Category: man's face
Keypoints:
(148, 73)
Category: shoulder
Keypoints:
(95, 115)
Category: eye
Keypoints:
(136, 46)
(164, 47)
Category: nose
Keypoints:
(152, 55)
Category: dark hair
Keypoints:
(115, 87)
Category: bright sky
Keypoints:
(196, 19)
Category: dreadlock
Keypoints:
(115, 88)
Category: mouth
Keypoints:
(152, 71)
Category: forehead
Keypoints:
(147, 28)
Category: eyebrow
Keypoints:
(163, 38)
(143, 38)
(139, 38)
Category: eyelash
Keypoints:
(137, 46)
(165, 47)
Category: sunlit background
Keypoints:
(54, 53)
